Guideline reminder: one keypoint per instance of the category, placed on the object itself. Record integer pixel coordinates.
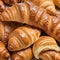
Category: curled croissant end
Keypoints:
(49, 5)
(50, 55)
(23, 55)
(44, 43)
(4, 54)
(16, 13)
(11, 2)
(2, 6)
(57, 3)
(22, 38)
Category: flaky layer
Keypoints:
(44, 43)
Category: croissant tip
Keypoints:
(10, 47)
(7, 55)
(10, 44)
(15, 57)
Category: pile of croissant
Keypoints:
(29, 30)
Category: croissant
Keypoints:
(23, 55)
(2, 6)
(31, 14)
(11, 2)
(22, 38)
(47, 4)
(57, 3)
(5, 30)
(50, 55)
(46, 48)
(4, 54)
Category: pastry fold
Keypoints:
(45, 44)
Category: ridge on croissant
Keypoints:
(31, 14)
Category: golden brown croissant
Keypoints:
(22, 38)
(31, 14)
(23, 55)
(50, 55)
(46, 45)
(5, 30)
(11, 2)
(47, 4)
(4, 54)
(2, 6)
(57, 3)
